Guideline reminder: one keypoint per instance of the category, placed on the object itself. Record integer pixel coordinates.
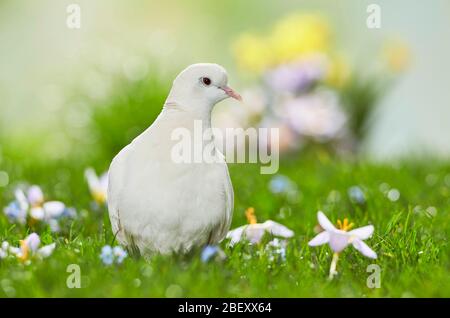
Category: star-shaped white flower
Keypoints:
(339, 239)
(254, 231)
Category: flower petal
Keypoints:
(236, 234)
(91, 178)
(324, 222)
(320, 239)
(5, 245)
(15, 251)
(21, 199)
(107, 255)
(364, 248)
(208, 252)
(33, 241)
(46, 250)
(254, 232)
(35, 195)
(339, 241)
(119, 253)
(362, 232)
(37, 213)
(104, 181)
(277, 229)
(54, 209)
(14, 212)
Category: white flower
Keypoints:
(17, 210)
(98, 186)
(30, 247)
(34, 204)
(254, 231)
(339, 239)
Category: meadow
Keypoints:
(406, 201)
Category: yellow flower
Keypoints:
(252, 53)
(292, 38)
(299, 35)
(396, 55)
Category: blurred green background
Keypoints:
(47, 69)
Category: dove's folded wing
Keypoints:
(229, 204)
(222, 230)
(116, 175)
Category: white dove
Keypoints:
(157, 205)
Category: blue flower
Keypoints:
(106, 255)
(111, 255)
(356, 195)
(280, 184)
(15, 212)
(208, 252)
(120, 254)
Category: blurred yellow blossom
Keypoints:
(294, 37)
(252, 53)
(299, 35)
(397, 55)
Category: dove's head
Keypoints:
(201, 86)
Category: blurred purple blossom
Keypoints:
(296, 77)
(316, 115)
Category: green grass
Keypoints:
(412, 245)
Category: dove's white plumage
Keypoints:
(158, 205)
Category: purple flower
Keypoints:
(296, 77)
(14, 212)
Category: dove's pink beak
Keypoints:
(232, 93)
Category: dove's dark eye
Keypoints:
(206, 81)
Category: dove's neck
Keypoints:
(193, 111)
